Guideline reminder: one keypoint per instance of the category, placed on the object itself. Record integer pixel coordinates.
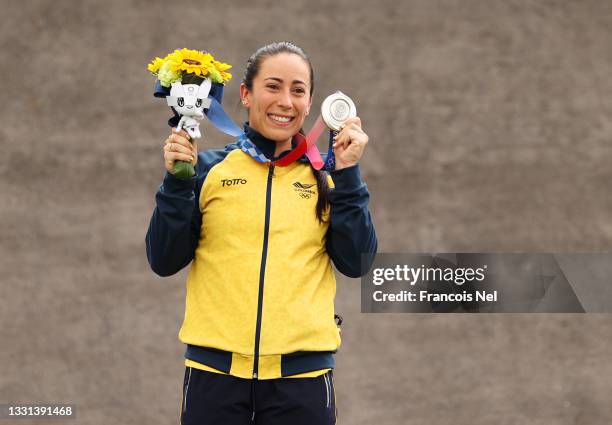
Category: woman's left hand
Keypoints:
(350, 143)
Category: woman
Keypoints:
(259, 319)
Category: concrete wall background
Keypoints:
(490, 126)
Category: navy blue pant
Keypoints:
(212, 398)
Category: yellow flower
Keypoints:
(221, 67)
(191, 61)
(155, 65)
(185, 61)
(226, 76)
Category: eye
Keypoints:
(180, 101)
(198, 103)
(299, 90)
(272, 86)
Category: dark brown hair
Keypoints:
(252, 69)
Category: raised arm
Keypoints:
(351, 231)
(175, 225)
(174, 230)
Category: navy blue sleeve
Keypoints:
(351, 230)
(174, 229)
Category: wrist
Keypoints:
(172, 183)
(340, 165)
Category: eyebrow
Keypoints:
(280, 80)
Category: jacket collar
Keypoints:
(265, 145)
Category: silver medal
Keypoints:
(336, 109)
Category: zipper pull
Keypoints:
(255, 375)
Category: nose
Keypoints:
(284, 99)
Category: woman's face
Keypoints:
(279, 100)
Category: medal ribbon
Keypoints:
(306, 144)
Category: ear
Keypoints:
(308, 107)
(245, 95)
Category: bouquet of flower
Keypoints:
(186, 78)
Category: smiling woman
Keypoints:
(277, 94)
(263, 232)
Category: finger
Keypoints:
(347, 127)
(346, 136)
(352, 136)
(358, 138)
(180, 133)
(176, 138)
(171, 146)
(180, 137)
(177, 147)
(354, 120)
(177, 156)
(338, 139)
(354, 127)
(343, 139)
(340, 135)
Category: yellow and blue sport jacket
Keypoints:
(260, 290)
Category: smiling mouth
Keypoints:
(279, 119)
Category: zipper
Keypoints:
(262, 272)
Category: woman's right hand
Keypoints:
(178, 148)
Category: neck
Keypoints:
(282, 146)
(270, 148)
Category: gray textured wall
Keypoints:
(490, 126)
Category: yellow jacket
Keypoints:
(260, 291)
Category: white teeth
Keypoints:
(280, 119)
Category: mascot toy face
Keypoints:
(190, 100)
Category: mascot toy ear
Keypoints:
(176, 92)
(204, 89)
(203, 93)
